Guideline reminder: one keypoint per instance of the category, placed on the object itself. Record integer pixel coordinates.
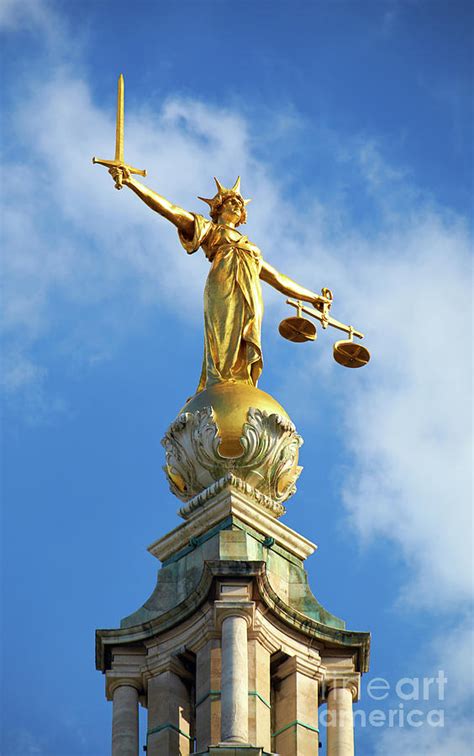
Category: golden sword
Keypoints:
(118, 162)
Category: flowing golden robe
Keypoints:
(233, 306)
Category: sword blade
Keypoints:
(119, 122)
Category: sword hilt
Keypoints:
(119, 164)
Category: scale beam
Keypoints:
(325, 319)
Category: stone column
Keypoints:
(235, 691)
(234, 617)
(340, 720)
(125, 720)
(169, 711)
(295, 720)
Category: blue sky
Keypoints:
(350, 124)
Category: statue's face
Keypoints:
(231, 210)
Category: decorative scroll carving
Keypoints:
(268, 463)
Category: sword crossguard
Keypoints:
(119, 164)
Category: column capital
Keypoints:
(210, 632)
(307, 667)
(349, 681)
(224, 609)
(163, 664)
(115, 680)
(258, 633)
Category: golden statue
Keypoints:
(233, 306)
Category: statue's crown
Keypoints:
(216, 202)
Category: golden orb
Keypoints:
(231, 403)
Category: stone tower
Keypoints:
(232, 654)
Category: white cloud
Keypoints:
(409, 429)
(39, 18)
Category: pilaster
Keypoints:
(208, 693)
(170, 710)
(259, 692)
(295, 720)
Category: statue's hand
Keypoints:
(121, 175)
(319, 302)
(325, 298)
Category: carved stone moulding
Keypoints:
(230, 481)
(268, 462)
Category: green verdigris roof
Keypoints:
(232, 549)
(232, 540)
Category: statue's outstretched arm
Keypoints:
(183, 220)
(288, 287)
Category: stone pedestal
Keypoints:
(231, 653)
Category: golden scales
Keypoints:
(298, 329)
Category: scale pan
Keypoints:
(350, 355)
(297, 329)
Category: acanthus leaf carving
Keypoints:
(268, 463)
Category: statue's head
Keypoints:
(230, 197)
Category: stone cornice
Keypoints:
(231, 501)
(160, 665)
(268, 505)
(344, 639)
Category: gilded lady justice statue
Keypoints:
(233, 306)
(221, 428)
